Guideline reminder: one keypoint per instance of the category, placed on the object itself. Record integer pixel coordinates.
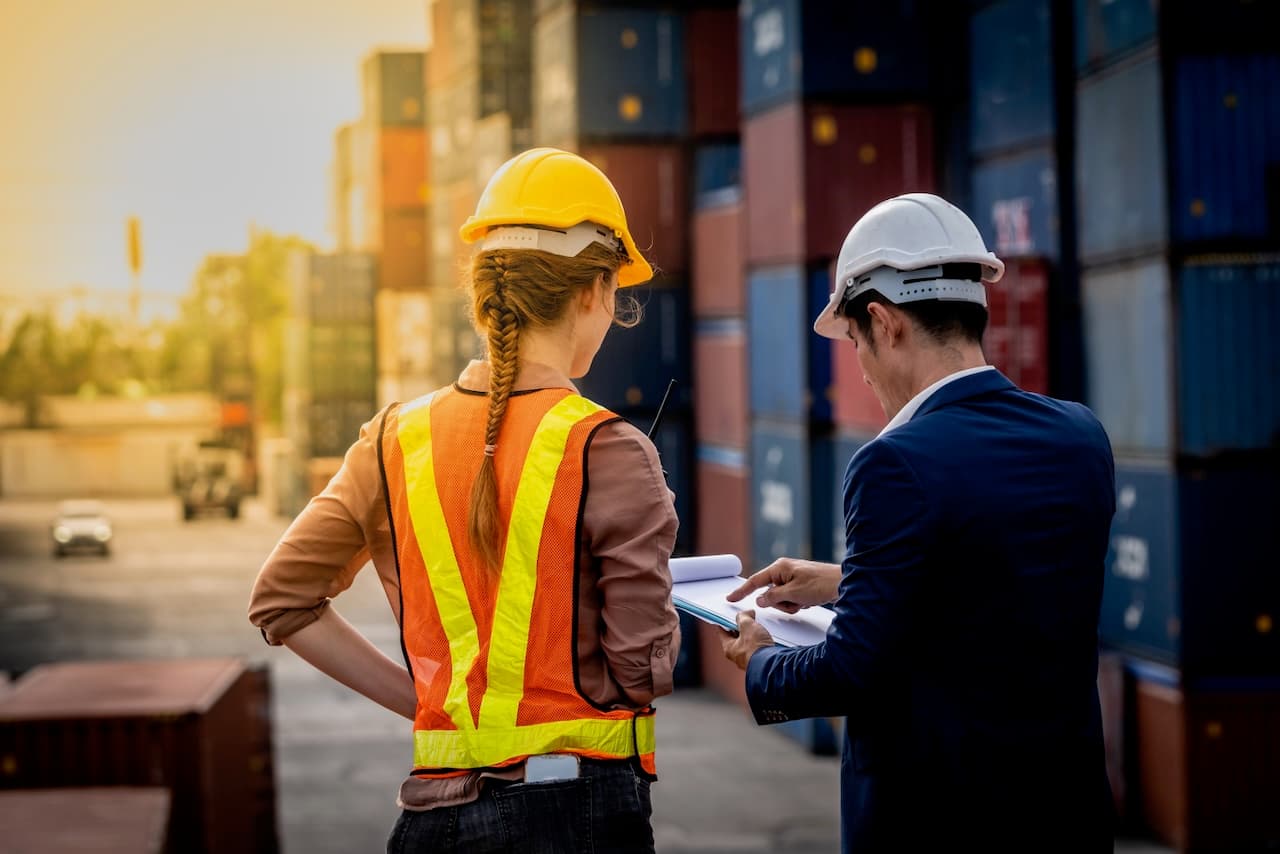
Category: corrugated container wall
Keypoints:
(675, 445)
(1188, 569)
(1015, 204)
(1011, 67)
(393, 89)
(724, 503)
(633, 366)
(1226, 165)
(1107, 29)
(652, 181)
(1122, 195)
(720, 383)
(1127, 353)
(1206, 760)
(810, 171)
(1017, 336)
(717, 173)
(199, 727)
(790, 366)
(713, 71)
(780, 491)
(719, 286)
(831, 48)
(1228, 362)
(608, 73)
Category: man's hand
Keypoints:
(792, 584)
(751, 636)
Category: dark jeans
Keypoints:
(606, 809)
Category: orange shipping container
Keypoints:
(403, 261)
(652, 181)
(720, 385)
(403, 165)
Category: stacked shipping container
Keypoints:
(609, 82)
(1178, 239)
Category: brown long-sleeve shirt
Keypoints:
(628, 630)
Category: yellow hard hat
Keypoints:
(553, 189)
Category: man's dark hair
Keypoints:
(942, 320)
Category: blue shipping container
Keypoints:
(1228, 358)
(1015, 204)
(790, 365)
(633, 367)
(674, 441)
(1011, 63)
(780, 490)
(1226, 144)
(1122, 201)
(631, 74)
(1127, 353)
(717, 174)
(1190, 570)
(830, 48)
(1106, 29)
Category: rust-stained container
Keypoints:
(652, 181)
(114, 820)
(402, 261)
(720, 383)
(713, 71)
(1208, 761)
(1017, 337)
(199, 727)
(810, 171)
(724, 502)
(402, 158)
(719, 283)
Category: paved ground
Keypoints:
(173, 589)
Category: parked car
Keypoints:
(81, 525)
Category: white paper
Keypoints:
(700, 587)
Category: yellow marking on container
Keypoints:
(634, 395)
(1263, 624)
(629, 38)
(1197, 207)
(410, 108)
(630, 107)
(1213, 729)
(9, 766)
(826, 130)
(867, 154)
(1230, 100)
(865, 59)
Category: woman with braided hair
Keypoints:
(522, 533)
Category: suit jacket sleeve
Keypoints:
(889, 527)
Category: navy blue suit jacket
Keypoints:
(964, 646)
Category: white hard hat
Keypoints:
(905, 248)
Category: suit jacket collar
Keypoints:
(965, 387)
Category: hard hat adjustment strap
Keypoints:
(961, 282)
(564, 242)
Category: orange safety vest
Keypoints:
(494, 656)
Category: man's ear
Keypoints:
(885, 322)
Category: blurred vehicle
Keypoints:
(210, 480)
(81, 525)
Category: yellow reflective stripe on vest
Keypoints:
(514, 610)
(432, 534)
(483, 748)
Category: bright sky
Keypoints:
(200, 118)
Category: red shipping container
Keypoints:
(712, 36)
(811, 171)
(1017, 338)
(720, 386)
(719, 286)
(403, 167)
(1208, 765)
(402, 260)
(724, 509)
(854, 404)
(652, 181)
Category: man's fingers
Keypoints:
(745, 617)
(763, 578)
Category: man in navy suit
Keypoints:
(964, 645)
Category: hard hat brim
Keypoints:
(636, 273)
